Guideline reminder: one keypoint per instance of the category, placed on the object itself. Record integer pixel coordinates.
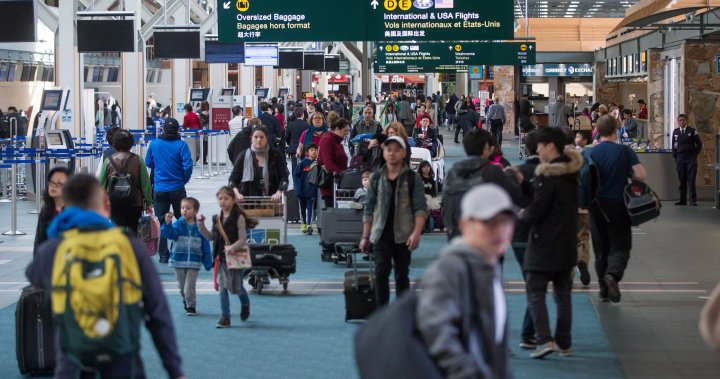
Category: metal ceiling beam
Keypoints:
(48, 15)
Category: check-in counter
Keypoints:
(661, 174)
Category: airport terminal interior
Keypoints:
(73, 70)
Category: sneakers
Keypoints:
(357, 206)
(613, 289)
(564, 352)
(184, 305)
(584, 273)
(164, 260)
(681, 203)
(603, 297)
(528, 343)
(223, 323)
(542, 350)
(190, 311)
(303, 228)
(693, 204)
(244, 312)
(309, 230)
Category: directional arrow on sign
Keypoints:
(450, 47)
(531, 47)
(374, 4)
(226, 5)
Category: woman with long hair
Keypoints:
(259, 170)
(52, 201)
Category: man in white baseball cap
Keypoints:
(461, 312)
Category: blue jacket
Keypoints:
(300, 179)
(191, 249)
(171, 163)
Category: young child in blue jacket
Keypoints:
(306, 192)
(189, 253)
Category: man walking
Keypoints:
(496, 115)
(394, 217)
(686, 145)
(462, 312)
(169, 158)
(609, 221)
(272, 124)
(552, 247)
(293, 131)
(406, 115)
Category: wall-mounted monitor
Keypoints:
(261, 55)
(290, 59)
(262, 93)
(199, 94)
(4, 71)
(177, 45)
(106, 35)
(332, 63)
(19, 22)
(113, 74)
(98, 74)
(217, 52)
(314, 61)
(11, 72)
(51, 100)
(228, 92)
(25, 73)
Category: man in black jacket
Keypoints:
(552, 247)
(272, 124)
(88, 209)
(294, 129)
(686, 145)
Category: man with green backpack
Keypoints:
(102, 286)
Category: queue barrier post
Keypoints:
(5, 196)
(227, 157)
(13, 215)
(39, 174)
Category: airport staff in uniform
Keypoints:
(686, 145)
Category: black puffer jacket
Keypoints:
(553, 215)
(522, 228)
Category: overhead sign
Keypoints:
(580, 69)
(450, 57)
(475, 72)
(439, 20)
(365, 20)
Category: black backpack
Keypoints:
(5, 127)
(454, 189)
(120, 187)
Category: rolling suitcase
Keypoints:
(293, 207)
(34, 340)
(359, 292)
(341, 225)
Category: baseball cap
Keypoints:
(486, 201)
(171, 125)
(397, 139)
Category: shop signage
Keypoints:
(363, 20)
(558, 70)
(450, 57)
(717, 64)
(475, 72)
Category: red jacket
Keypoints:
(332, 156)
(191, 121)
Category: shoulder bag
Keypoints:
(235, 260)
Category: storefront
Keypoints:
(543, 83)
(415, 83)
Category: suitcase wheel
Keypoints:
(348, 315)
(349, 260)
(285, 285)
(260, 285)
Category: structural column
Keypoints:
(246, 80)
(181, 71)
(505, 90)
(69, 62)
(133, 76)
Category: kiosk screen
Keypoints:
(51, 100)
(54, 139)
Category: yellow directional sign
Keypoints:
(405, 4)
(396, 48)
(390, 5)
(242, 5)
(388, 48)
(458, 48)
(523, 47)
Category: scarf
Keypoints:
(77, 218)
(249, 166)
(311, 132)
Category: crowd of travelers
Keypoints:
(545, 209)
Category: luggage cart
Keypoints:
(270, 254)
(341, 227)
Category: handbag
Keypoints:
(235, 260)
(641, 202)
(149, 232)
(320, 177)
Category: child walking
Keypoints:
(190, 251)
(228, 235)
(306, 192)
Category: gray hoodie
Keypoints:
(444, 315)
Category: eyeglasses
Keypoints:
(57, 184)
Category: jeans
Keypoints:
(162, 202)
(450, 118)
(528, 328)
(388, 252)
(583, 246)
(127, 217)
(611, 239)
(187, 281)
(687, 171)
(306, 209)
(537, 283)
(496, 129)
(225, 300)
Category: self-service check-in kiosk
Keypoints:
(46, 137)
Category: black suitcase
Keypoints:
(34, 340)
(340, 225)
(279, 257)
(293, 207)
(359, 292)
(350, 179)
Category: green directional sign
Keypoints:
(439, 20)
(450, 57)
(364, 20)
(290, 21)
